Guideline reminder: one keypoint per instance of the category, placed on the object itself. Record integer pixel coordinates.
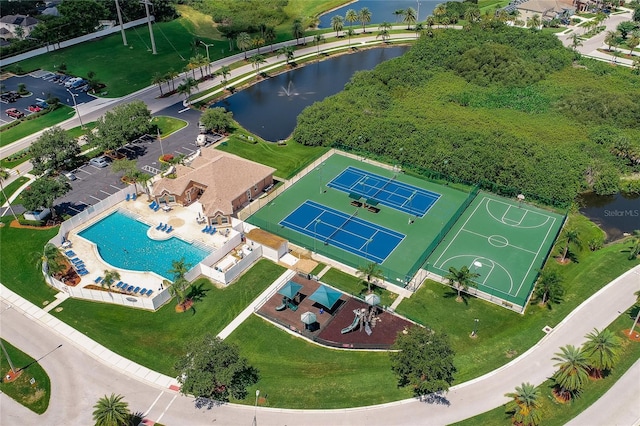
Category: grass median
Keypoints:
(35, 396)
(29, 127)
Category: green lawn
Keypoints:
(29, 127)
(297, 374)
(78, 131)
(18, 270)
(287, 159)
(156, 339)
(35, 397)
(554, 413)
(356, 286)
(503, 334)
(11, 188)
(168, 125)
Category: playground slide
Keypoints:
(353, 325)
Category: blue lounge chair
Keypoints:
(136, 290)
(143, 292)
(97, 280)
(127, 197)
(206, 229)
(70, 253)
(156, 208)
(164, 227)
(76, 260)
(149, 292)
(213, 230)
(130, 288)
(159, 226)
(153, 205)
(134, 196)
(169, 229)
(120, 284)
(83, 272)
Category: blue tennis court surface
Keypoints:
(386, 191)
(348, 232)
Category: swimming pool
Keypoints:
(123, 243)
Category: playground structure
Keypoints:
(287, 303)
(364, 319)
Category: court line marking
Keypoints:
(394, 235)
(537, 253)
(506, 271)
(516, 226)
(365, 176)
(459, 230)
(508, 245)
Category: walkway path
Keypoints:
(465, 400)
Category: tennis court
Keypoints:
(386, 191)
(348, 232)
(505, 242)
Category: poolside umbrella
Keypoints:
(326, 296)
(372, 299)
(290, 289)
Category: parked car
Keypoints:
(14, 113)
(69, 83)
(34, 108)
(70, 175)
(99, 162)
(42, 105)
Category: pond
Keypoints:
(615, 214)
(270, 108)
(381, 11)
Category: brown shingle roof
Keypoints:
(225, 176)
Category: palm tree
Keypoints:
(111, 411)
(572, 237)
(179, 269)
(535, 22)
(257, 43)
(398, 13)
(4, 175)
(287, 51)
(351, 17)
(419, 28)
(298, 29)
(445, 20)
(430, 21)
(636, 65)
(337, 24)
(410, 17)
(270, 36)
(224, 71)
(525, 405)
(573, 371)
(243, 41)
(610, 39)
(179, 290)
(158, 79)
(602, 349)
(170, 76)
(383, 32)
(365, 17)
(350, 33)
(110, 277)
(186, 86)
(50, 261)
(575, 42)
(549, 287)
(461, 279)
(632, 43)
(369, 272)
(637, 294)
(439, 11)
(318, 38)
(471, 15)
(634, 250)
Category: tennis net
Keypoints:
(375, 196)
(355, 213)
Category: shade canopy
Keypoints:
(290, 289)
(325, 296)
(308, 318)
(372, 299)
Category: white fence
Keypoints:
(71, 42)
(132, 301)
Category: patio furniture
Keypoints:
(134, 196)
(149, 292)
(69, 253)
(120, 284)
(159, 226)
(97, 280)
(136, 290)
(127, 199)
(143, 292)
(169, 229)
(130, 288)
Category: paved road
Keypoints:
(76, 391)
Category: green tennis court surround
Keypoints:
(422, 234)
(504, 241)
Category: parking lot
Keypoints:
(42, 87)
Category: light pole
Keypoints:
(255, 408)
(366, 248)
(319, 169)
(475, 327)
(207, 46)
(418, 13)
(270, 217)
(75, 105)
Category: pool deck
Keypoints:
(185, 226)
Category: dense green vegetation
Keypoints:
(554, 413)
(34, 397)
(518, 118)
